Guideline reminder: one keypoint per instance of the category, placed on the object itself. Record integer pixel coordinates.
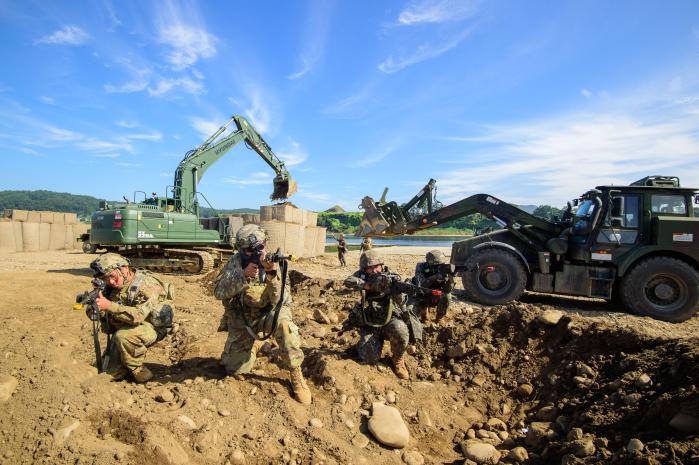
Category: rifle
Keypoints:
(89, 299)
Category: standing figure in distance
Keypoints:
(250, 299)
(139, 306)
(341, 250)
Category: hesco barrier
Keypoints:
(288, 214)
(40, 216)
(7, 236)
(25, 236)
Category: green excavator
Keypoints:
(637, 244)
(166, 233)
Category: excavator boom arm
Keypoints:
(195, 163)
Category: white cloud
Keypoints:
(69, 35)
(293, 156)
(246, 181)
(258, 113)
(63, 135)
(47, 100)
(375, 157)
(29, 151)
(127, 88)
(166, 175)
(436, 11)
(126, 124)
(423, 52)
(198, 74)
(315, 36)
(106, 155)
(153, 136)
(102, 146)
(127, 164)
(188, 44)
(261, 175)
(205, 127)
(166, 85)
(553, 160)
(586, 93)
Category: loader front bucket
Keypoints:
(284, 187)
(373, 222)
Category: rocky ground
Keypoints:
(545, 380)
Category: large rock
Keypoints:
(471, 415)
(518, 454)
(61, 434)
(388, 427)
(550, 317)
(457, 351)
(480, 452)
(8, 384)
(685, 423)
(540, 433)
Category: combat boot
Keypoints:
(121, 374)
(298, 385)
(400, 368)
(142, 374)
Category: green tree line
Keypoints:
(82, 205)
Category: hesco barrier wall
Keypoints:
(293, 230)
(33, 231)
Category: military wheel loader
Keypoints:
(637, 244)
(167, 233)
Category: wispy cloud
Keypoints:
(253, 179)
(127, 87)
(205, 127)
(375, 157)
(423, 52)
(29, 151)
(187, 44)
(128, 164)
(153, 136)
(258, 113)
(552, 160)
(166, 85)
(353, 105)
(102, 146)
(68, 35)
(47, 100)
(107, 155)
(586, 93)
(165, 174)
(439, 11)
(315, 36)
(294, 155)
(126, 124)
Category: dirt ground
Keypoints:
(544, 380)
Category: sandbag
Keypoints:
(7, 236)
(44, 236)
(30, 237)
(58, 236)
(19, 242)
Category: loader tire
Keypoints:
(663, 288)
(89, 248)
(494, 277)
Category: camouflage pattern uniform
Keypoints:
(427, 275)
(366, 245)
(134, 307)
(258, 300)
(378, 318)
(341, 250)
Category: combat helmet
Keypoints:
(250, 236)
(106, 263)
(435, 257)
(370, 258)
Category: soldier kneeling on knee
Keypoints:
(138, 307)
(434, 273)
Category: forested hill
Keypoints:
(83, 205)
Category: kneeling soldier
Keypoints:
(434, 273)
(138, 306)
(257, 307)
(379, 314)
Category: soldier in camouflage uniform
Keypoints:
(249, 303)
(428, 275)
(138, 306)
(341, 250)
(366, 245)
(378, 315)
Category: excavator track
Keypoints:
(172, 261)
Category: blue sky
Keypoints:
(532, 101)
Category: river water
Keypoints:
(412, 241)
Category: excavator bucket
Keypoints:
(284, 187)
(373, 223)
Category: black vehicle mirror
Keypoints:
(576, 202)
(696, 199)
(617, 223)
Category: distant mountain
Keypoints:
(82, 205)
(335, 209)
